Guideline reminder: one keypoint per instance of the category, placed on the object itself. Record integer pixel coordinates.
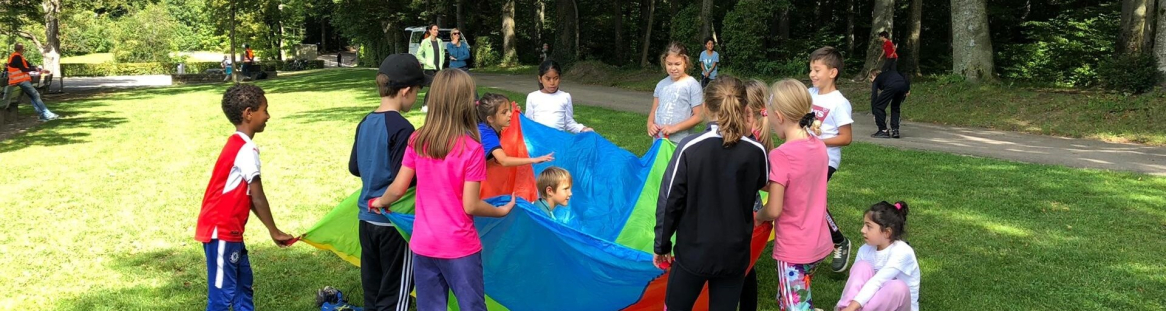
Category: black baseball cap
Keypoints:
(404, 70)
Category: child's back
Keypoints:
(381, 140)
(800, 232)
(442, 228)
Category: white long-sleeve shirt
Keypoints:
(553, 110)
(896, 262)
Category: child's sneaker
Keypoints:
(841, 256)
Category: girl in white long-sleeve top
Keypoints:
(551, 106)
(885, 275)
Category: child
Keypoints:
(554, 185)
(235, 188)
(551, 106)
(676, 104)
(833, 110)
(895, 89)
(710, 212)
(886, 273)
(797, 194)
(890, 56)
(227, 68)
(381, 139)
(493, 114)
(445, 155)
(709, 61)
(756, 93)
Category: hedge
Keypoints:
(138, 69)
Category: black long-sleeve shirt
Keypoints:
(706, 200)
(19, 62)
(889, 80)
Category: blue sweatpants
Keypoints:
(435, 277)
(229, 276)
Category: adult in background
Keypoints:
(459, 50)
(709, 61)
(431, 54)
(894, 89)
(542, 56)
(18, 75)
(248, 60)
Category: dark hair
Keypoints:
(489, 104)
(239, 97)
(830, 57)
(725, 99)
(707, 39)
(890, 216)
(545, 67)
(386, 87)
(884, 34)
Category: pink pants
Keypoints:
(894, 295)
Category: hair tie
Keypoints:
(476, 103)
(764, 113)
(807, 120)
(898, 206)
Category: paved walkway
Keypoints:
(1082, 153)
(91, 83)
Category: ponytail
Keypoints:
(756, 93)
(890, 216)
(724, 100)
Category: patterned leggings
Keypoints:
(793, 291)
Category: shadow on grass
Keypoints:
(63, 131)
(175, 279)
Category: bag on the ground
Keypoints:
(331, 299)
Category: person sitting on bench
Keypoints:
(18, 75)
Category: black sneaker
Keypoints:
(895, 133)
(841, 256)
(880, 134)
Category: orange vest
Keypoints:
(15, 76)
(249, 56)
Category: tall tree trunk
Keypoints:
(51, 48)
(883, 20)
(235, 62)
(1160, 36)
(323, 36)
(970, 41)
(564, 50)
(706, 14)
(822, 14)
(617, 9)
(1133, 26)
(783, 25)
(509, 40)
(913, 47)
(540, 20)
(646, 43)
(849, 27)
(575, 8)
(461, 21)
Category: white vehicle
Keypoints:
(416, 34)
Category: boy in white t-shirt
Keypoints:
(833, 110)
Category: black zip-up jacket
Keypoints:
(889, 80)
(706, 199)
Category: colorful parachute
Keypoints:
(597, 256)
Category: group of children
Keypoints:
(709, 202)
(708, 210)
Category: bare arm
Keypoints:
(843, 139)
(474, 205)
(262, 210)
(506, 160)
(653, 128)
(396, 189)
(773, 208)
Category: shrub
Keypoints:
(1065, 50)
(1134, 74)
(145, 36)
(686, 27)
(745, 32)
(485, 53)
(137, 69)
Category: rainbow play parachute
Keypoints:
(597, 256)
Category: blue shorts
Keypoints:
(229, 278)
(228, 70)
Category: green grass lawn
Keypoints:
(101, 208)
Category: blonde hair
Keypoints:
(552, 176)
(756, 93)
(790, 99)
(724, 100)
(451, 115)
(675, 48)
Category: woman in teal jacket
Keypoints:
(459, 50)
(431, 53)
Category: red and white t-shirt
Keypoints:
(227, 202)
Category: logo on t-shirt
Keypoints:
(821, 113)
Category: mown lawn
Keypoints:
(101, 207)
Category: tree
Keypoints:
(706, 12)
(461, 21)
(617, 11)
(648, 33)
(883, 20)
(51, 49)
(911, 53)
(1134, 25)
(1160, 37)
(971, 44)
(509, 40)
(849, 27)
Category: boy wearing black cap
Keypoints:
(385, 260)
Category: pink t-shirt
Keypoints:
(442, 228)
(801, 235)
